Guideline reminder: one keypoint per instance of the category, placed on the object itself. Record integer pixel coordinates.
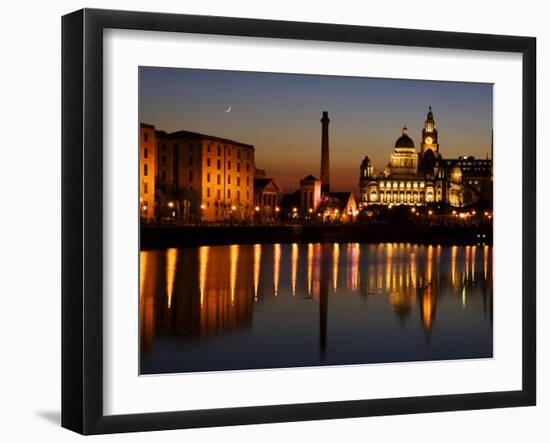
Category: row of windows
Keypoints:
(484, 163)
(219, 152)
(208, 164)
(208, 149)
(403, 163)
(219, 194)
(402, 198)
(208, 177)
(223, 205)
(401, 184)
(428, 192)
(228, 179)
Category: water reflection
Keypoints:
(171, 259)
(294, 267)
(257, 264)
(276, 267)
(203, 269)
(253, 306)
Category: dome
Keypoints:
(404, 141)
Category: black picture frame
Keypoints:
(82, 218)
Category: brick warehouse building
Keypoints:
(147, 173)
(200, 177)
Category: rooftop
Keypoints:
(310, 178)
(190, 135)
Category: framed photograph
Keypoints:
(269, 221)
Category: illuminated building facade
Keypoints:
(266, 198)
(310, 194)
(147, 172)
(203, 178)
(477, 178)
(337, 206)
(421, 178)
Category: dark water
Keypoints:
(289, 305)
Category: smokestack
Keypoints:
(325, 166)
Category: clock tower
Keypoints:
(429, 135)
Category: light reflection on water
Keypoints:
(284, 305)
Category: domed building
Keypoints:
(411, 177)
(404, 158)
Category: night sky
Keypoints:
(280, 115)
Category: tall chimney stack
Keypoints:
(325, 166)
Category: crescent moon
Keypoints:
(228, 110)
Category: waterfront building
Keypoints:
(266, 199)
(147, 172)
(477, 178)
(424, 177)
(310, 194)
(204, 178)
(337, 206)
